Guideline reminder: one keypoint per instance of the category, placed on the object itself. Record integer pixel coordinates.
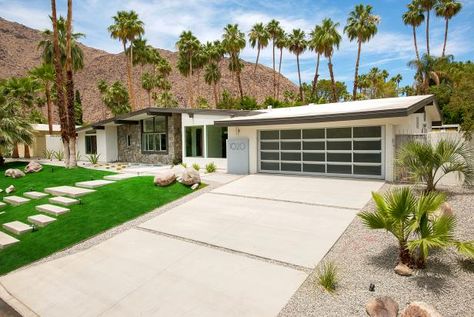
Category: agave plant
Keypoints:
(416, 223)
(93, 158)
(429, 163)
(59, 155)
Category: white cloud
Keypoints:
(32, 17)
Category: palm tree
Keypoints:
(361, 26)
(127, 27)
(429, 163)
(233, 42)
(414, 17)
(259, 37)
(427, 71)
(212, 76)
(397, 79)
(330, 40)
(70, 105)
(315, 45)
(45, 74)
(274, 29)
(188, 45)
(297, 44)
(281, 43)
(148, 83)
(427, 5)
(447, 9)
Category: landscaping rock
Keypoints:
(195, 186)
(10, 189)
(178, 170)
(403, 270)
(382, 307)
(14, 173)
(446, 209)
(33, 167)
(420, 309)
(164, 178)
(191, 177)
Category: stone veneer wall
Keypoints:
(133, 153)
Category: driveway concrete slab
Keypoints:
(340, 192)
(138, 273)
(299, 234)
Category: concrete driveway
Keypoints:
(240, 250)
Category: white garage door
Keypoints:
(353, 151)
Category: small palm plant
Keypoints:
(414, 222)
(429, 163)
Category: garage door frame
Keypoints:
(326, 151)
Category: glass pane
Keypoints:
(216, 141)
(148, 125)
(269, 145)
(367, 157)
(269, 135)
(291, 145)
(194, 136)
(313, 134)
(318, 157)
(313, 145)
(368, 145)
(290, 134)
(339, 157)
(291, 167)
(368, 132)
(339, 133)
(163, 141)
(314, 168)
(270, 156)
(339, 169)
(160, 124)
(290, 156)
(157, 142)
(150, 142)
(341, 145)
(269, 166)
(367, 170)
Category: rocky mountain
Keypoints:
(19, 53)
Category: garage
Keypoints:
(346, 151)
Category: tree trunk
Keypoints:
(239, 81)
(333, 82)
(71, 124)
(132, 90)
(216, 99)
(15, 153)
(279, 74)
(445, 38)
(354, 90)
(48, 105)
(26, 151)
(274, 78)
(428, 32)
(299, 76)
(404, 254)
(72, 152)
(190, 82)
(149, 97)
(316, 76)
(256, 62)
(66, 153)
(416, 45)
(129, 72)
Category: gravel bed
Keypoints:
(366, 256)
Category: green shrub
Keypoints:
(211, 167)
(184, 165)
(327, 276)
(59, 155)
(196, 166)
(93, 158)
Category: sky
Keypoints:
(390, 49)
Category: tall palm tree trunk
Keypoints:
(49, 109)
(299, 76)
(149, 97)
(333, 82)
(316, 76)
(445, 38)
(70, 89)
(26, 151)
(239, 81)
(356, 73)
(190, 82)
(256, 62)
(15, 153)
(274, 78)
(279, 74)
(416, 44)
(129, 72)
(132, 90)
(216, 99)
(428, 32)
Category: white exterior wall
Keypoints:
(107, 146)
(111, 144)
(201, 120)
(54, 143)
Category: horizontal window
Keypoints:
(339, 169)
(367, 132)
(314, 168)
(367, 145)
(154, 142)
(314, 146)
(316, 157)
(367, 157)
(314, 134)
(290, 134)
(291, 167)
(339, 157)
(339, 133)
(367, 170)
(339, 145)
(288, 156)
(291, 145)
(269, 135)
(270, 156)
(269, 166)
(269, 145)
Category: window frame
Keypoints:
(144, 135)
(87, 137)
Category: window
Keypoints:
(91, 144)
(216, 141)
(129, 140)
(154, 134)
(194, 141)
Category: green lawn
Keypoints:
(109, 206)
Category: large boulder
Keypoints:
(420, 309)
(164, 178)
(178, 170)
(403, 270)
(382, 307)
(190, 177)
(33, 167)
(14, 173)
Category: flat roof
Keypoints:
(341, 111)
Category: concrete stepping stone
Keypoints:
(35, 195)
(15, 200)
(6, 240)
(69, 191)
(63, 201)
(2, 205)
(119, 177)
(94, 183)
(17, 227)
(52, 209)
(41, 220)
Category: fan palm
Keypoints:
(259, 37)
(45, 74)
(281, 43)
(414, 17)
(315, 45)
(447, 9)
(148, 83)
(427, 70)
(274, 29)
(127, 27)
(330, 39)
(187, 46)
(233, 42)
(427, 5)
(429, 163)
(361, 26)
(70, 104)
(297, 44)
(212, 76)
